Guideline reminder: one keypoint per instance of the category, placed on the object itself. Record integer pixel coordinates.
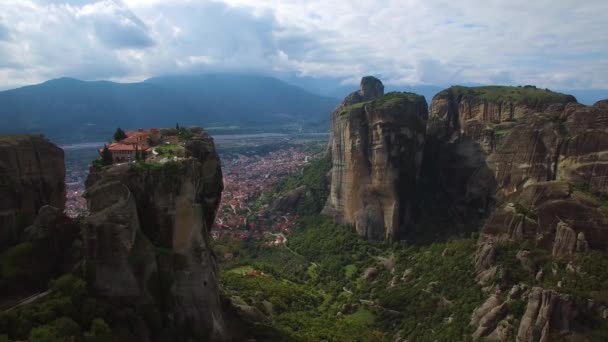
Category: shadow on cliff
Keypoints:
(455, 191)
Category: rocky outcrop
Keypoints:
(601, 104)
(565, 240)
(543, 136)
(548, 313)
(370, 89)
(288, 202)
(376, 151)
(468, 110)
(547, 155)
(32, 174)
(552, 215)
(147, 239)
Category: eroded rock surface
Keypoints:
(376, 151)
(147, 238)
(547, 313)
(32, 174)
(288, 202)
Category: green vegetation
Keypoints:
(171, 150)
(319, 275)
(313, 175)
(590, 280)
(106, 156)
(394, 98)
(316, 289)
(65, 314)
(528, 94)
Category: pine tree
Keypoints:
(177, 126)
(106, 156)
(119, 134)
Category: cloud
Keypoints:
(4, 32)
(114, 24)
(551, 44)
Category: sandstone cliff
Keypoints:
(465, 110)
(147, 238)
(546, 155)
(376, 150)
(32, 174)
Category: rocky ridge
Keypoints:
(527, 165)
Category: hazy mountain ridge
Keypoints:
(213, 99)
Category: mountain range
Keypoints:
(220, 101)
(209, 100)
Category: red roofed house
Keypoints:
(135, 142)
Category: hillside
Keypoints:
(213, 100)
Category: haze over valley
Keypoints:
(236, 170)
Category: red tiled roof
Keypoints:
(126, 147)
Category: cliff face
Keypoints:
(32, 174)
(147, 238)
(461, 110)
(547, 155)
(376, 151)
(547, 159)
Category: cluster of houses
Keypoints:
(246, 178)
(136, 143)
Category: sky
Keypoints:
(556, 44)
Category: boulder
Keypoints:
(581, 243)
(565, 240)
(526, 261)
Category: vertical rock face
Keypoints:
(461, 110)
(32, 174)
(565, 240)
(147, 238)
(546, 153)
(547, 312)
(376, 151)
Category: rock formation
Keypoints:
(32, 174)
(546, 153)
(147, 238)
(547, 156)
(547, 313)
(287, 202)
(376, 150)
(469, 110)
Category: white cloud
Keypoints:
(556, 44)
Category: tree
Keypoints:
(100, 331)
(106, 156)
(119, 134)
(177, 126)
